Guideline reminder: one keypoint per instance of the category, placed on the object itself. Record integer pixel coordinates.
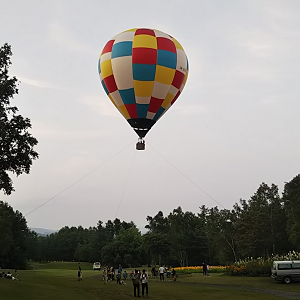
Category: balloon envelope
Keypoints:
(143, 71)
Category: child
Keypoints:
(119, 278)
(125, 275)
(105, 275)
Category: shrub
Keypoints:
(258, 266)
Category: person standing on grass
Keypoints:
(207, 270)
(136, 283)
(168, 273)
(119, 277)
(109, 273)
(112, 273)
(125, 275)
(144, 279)
(79, 274)
(204, 267)
(173, 272)
(161, 273)
(153, 272)
(104, 275)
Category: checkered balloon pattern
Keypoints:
(143, 71)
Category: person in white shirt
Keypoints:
(144, 279)
(161, 272)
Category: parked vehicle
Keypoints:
(96, 266)
(286, 271)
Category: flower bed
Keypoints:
(247, 267)
(250, 268)
(258, 266)
(198, 269)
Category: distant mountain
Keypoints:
(42, 231)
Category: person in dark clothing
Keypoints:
(204, 267)
(136, 283)
(153, 272)
(125, 275)
(112, 273)
(79, 274)
(119, 278)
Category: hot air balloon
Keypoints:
(143, 72)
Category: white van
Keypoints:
(96, 266)
(286, 271)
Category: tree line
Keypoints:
(263, 225)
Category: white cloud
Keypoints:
(52, 131)
(283, 17)
(60, 35)
(259, 48)
(37, 83)
(190, 109)
(100, 104)
(269, 100)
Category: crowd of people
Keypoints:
(109, 274)
(139, 278)
(162, 271)
(8, 275)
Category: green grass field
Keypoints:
(59, 281)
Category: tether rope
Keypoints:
(78, 180)
(125, 184)
(187, 177)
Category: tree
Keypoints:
(291, 199)
(157, 239)
(15, 237)
(261, 224)
(125, 249)
(220, 234)
(16, 143)
(189, 245)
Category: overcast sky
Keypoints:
(235, 125)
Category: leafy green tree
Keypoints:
(220, 234)
(278, 223)
(291, 200)
(67, 241)
(158, 223)
(158, 245)
(189, 246)
(32, 245)
(261, 223)
(157, 239)
(125, 249)
(16, 143)
(15, 238)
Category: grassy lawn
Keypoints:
(255, 282)
(59, 281)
